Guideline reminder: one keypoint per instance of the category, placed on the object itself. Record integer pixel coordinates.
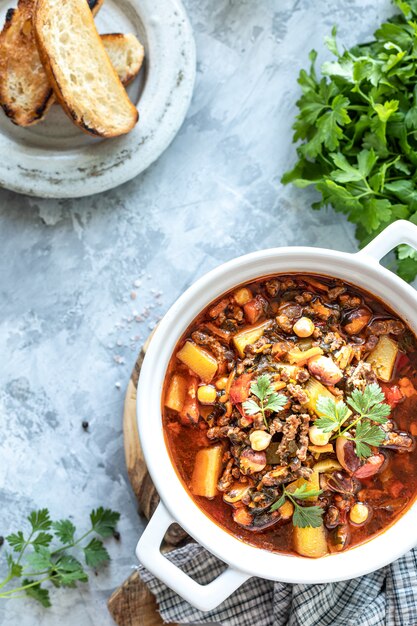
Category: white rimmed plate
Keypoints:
(55, 159)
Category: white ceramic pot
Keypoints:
(244, 561)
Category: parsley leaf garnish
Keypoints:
(368, 407)
(303, 516)
(36, 562)
(356, 131)
(269, 400)
(333, 414)
(367, 435)
(370, 403)
(307, 516)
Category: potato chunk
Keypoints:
(249, 335)
(207, 470)
(310, 541)
(382, 358)
(175, 395)
(199, 360)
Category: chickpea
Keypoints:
(259, 440)
(221, 383)
(206, 394)
(304, 327)
(359, 513)
(318, 437)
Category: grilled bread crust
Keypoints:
(25, 91)
(79, 69)
(126, 54)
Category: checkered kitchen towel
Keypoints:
(387, 597)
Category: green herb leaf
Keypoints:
(251, 407)
(42, 539)
(95, 553)
(278, 504)
(370, 403)
(261, 387)
(269, 400)
(40, 559)
(367, 435)
(65, 530)
(104, 521)
(276, 402)
(68, 571)
(40, 520)
(15, 570)
(305, 516)
(37, 592)
(332, 414)
(302, 493)
(16, 541)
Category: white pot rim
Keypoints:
(361, 269)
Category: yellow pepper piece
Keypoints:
(249, 335)
(198, 360)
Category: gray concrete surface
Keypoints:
(84, 281)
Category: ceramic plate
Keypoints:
(56, 159)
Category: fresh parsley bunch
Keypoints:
(357, 124)
(45, 554)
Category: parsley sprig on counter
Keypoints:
(46, 554)
(269, 400)
(357, 124)
(303, 515)
(369, 410)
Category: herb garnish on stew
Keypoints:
(269, 400)
(368, 407)
(302, 516)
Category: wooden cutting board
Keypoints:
(132, 604)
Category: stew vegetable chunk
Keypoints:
(290, 410)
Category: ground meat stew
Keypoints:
(289, 411)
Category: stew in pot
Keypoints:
(290, 410)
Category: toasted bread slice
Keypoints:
(82, 76)
(25, 91)
(126, 54)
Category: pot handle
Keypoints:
(394, 234)
(203, 597)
